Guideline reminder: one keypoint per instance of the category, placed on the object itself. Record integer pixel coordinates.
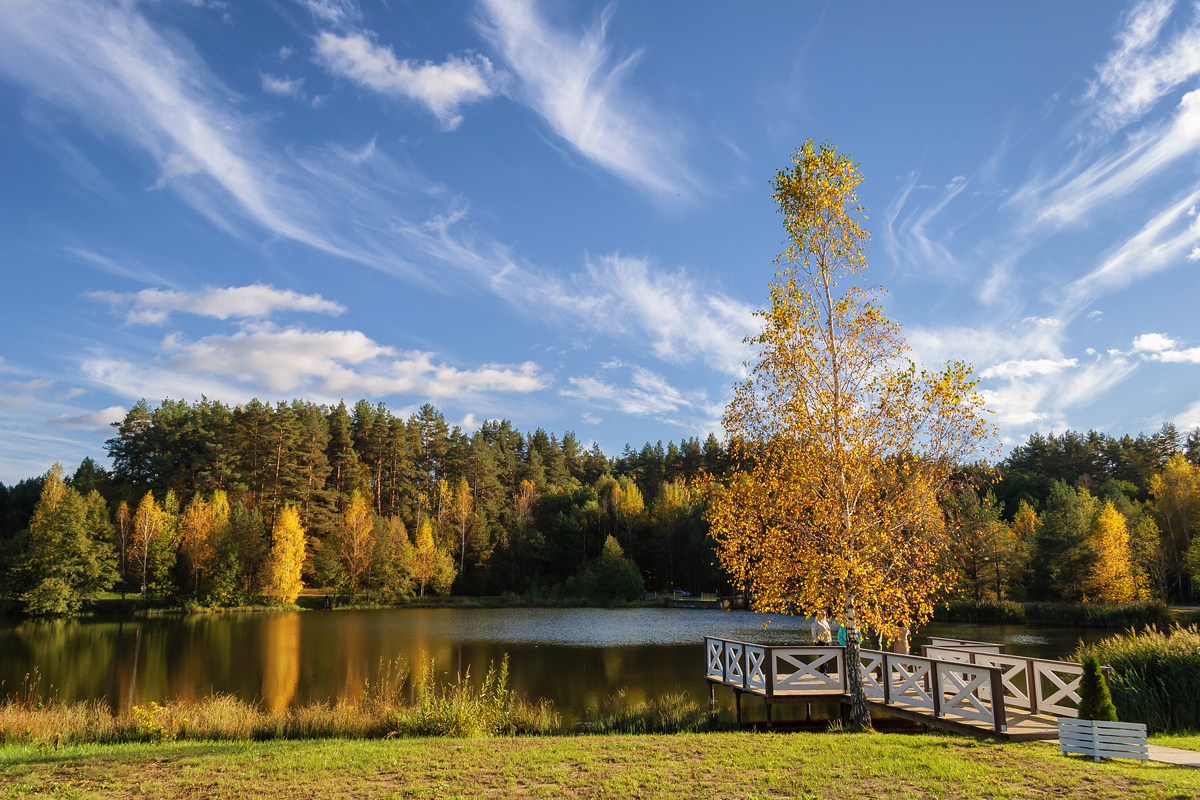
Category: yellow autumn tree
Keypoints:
(355, 542)
(147, 527)
(840, 444)
(433, 566)
(1111, 579)
(1176, 492)
(286, 562)
(195, 538)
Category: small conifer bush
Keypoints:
(1095, 701)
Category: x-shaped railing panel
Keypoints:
(1048, 704)
(910, 687)
(955, 680)
(805, 674)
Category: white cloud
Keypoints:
(286, 87)
(1144, 68)
(258, 301)
(334, 12)
(324, 365)
(1189, 356)
(564, 78)
(1160, 347)
(97, 421)
(1153, 343)
(441, 88)
(683, 322)
(647, 393)
(1163, 242)
(103, 61)
(1024, 368)
(1074, 194)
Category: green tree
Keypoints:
(613, 576)
(65, 555)
(1064, 553)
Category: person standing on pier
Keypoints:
(820, 628)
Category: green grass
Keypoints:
(1184, 740)
(715, 765)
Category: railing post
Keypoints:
(769, 674)
(724, 664)
(1035, 684)
(936, 694)
(998, 715)
(745, 667)
(887, 678)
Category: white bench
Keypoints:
(1098, 739)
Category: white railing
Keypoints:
(1039, 685)
(771, 670)
(944, 689)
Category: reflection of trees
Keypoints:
(281, 660)
(304, 657)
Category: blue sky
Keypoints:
(559, 213)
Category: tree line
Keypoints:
(199, 496)
(1083, 517)
(209, 504)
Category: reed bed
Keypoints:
(391, 705)
(1156, 676)
(676, 712)
(1086, 615)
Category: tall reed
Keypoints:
(456, 709)
(1155, 677)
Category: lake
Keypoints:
(573, 657)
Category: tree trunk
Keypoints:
(861, 714)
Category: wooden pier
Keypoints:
(958, 685)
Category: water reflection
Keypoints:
(574, 657)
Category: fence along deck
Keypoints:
(970, 687)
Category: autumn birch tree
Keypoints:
(841, 445)
(286, 562)
(355, 542)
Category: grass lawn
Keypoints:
(1189, 740)
(724, 765)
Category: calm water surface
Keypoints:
(573, 657)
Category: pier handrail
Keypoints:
(1041, 685)
(943, 688)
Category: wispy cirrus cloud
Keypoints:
(645, 393)
(683, 322)
(120, 76)
(567, 78)
(284, 87)
(1144, 68)
(258, 301)
(96, 421)
(440, 88)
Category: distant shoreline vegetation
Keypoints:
(1083, 615)
(212, 506)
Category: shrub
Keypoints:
(1095, 702)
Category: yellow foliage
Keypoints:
(355, 542)
(841, 444)
(286, 562)
(1111, 579)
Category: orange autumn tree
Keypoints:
(840, 445)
